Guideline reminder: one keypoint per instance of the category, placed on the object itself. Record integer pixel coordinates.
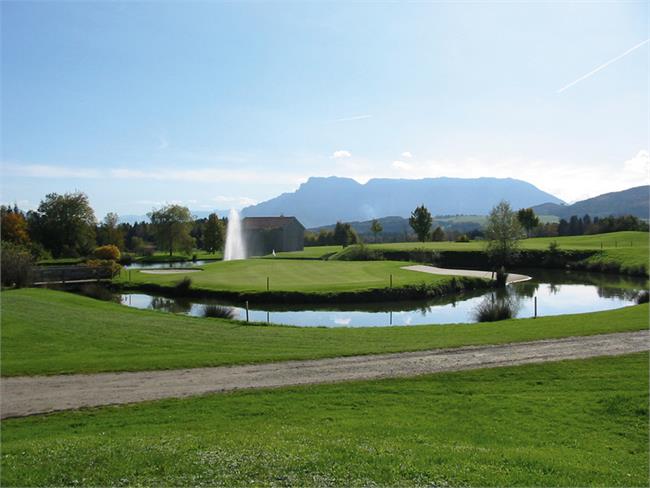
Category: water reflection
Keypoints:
(177, 264)
(556, 294)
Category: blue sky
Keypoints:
(216, 105)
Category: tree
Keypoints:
(527, 219)
(438, 234)
(64, 224)
(503, 232)
(213, 233)
(15, 265)
(420, 222)
(13, 226)
(344, 235)
(109, 232)
(376, 228)
(171, 226)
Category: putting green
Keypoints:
(314, 276)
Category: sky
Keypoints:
(217, 105)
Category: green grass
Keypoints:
(310, 252)
(572, 423)
(628, 248)
(49, 332)
(615, 240)
(294, 275)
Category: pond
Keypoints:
(163, 265)
(557, 293)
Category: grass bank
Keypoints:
(618, 252)
(573, 423)
(50, 332)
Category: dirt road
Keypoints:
(25, 395)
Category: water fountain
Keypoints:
(235, 244)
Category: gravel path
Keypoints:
(512, 278)
(29, 395)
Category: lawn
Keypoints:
(49, 332)
(313, 276)
(572, 423)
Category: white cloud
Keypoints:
(402, 166)
(341, 154)
(638, 165)
(206, 175)
(234, 201)
(407, 155)
(566, 180)
(49, 171)
(354, 117)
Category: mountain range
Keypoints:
(633, 201)
(322, 201)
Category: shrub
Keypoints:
(183, 286)
(108, 252)
(491, 310)
(16, 265)
(642, 297)
(358, 252)
(126, 259)
(219, 312)
(553, 247)
(109, 265)
(462, 238)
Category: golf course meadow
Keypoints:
(582, 421)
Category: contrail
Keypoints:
(603, 66)
(356, 117)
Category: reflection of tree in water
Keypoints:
(525, 289)
(621, 294)
(174, 305)
(554, 289)
(424, 310)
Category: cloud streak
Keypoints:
(354, 117)
(602, 66)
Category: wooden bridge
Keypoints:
(49, 275)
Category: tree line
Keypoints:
(421, 223)
(66, 226)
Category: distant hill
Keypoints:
(322, 201)
(634, 201)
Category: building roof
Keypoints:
(253, 223)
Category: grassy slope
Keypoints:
(295, 275)
(574, 423)
(629, 248)
(49, 332)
